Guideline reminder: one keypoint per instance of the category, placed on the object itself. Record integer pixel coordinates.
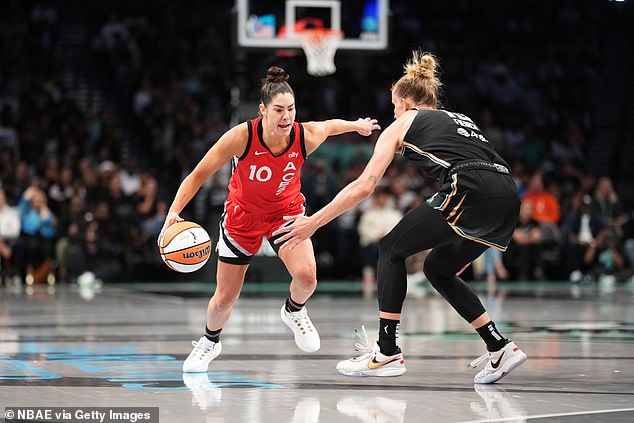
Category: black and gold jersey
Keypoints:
(439, 139)
(477, 195)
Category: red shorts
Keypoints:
(242, 231)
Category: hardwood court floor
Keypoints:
(123, 347)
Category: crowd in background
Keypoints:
(78, 196)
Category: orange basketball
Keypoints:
(186, 247)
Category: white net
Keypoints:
(320, 47)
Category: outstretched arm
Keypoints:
(318, 132)
(351, 195)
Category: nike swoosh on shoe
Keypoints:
(496, 364)
(373, 364)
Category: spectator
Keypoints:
(152, 225)
(374, 224)
(61, 190)
(609, 206)
(9, 232)
(628, 239)
(130, 177)
(150, 229)
(71, 225)
(145, 195)
(545, 205)
(95, 244)
(494, 268)
(122, 208)
(581, 228)
(34, 249)
(89, 182)
(403, 198)
(524, 253)
(91, 252)
(20, 181)
(319, 185)
(604, 255)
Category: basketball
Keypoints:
(186, 247)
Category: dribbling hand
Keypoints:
(170, 219)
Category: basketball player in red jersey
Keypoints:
(267, 154)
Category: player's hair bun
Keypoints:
(276, 82)
(276, 74)
(422, 65)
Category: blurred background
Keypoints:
(106, 105)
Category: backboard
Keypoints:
(274, 24)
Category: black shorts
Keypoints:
(480, 204)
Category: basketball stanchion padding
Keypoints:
(185, 247)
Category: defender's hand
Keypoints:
(302, 228)
(367, 125)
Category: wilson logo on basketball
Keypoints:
(185, 247)
(198, 254)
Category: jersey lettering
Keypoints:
(290, 166)
(465, 123)
(262, 174)
(286, 178)
(455, 115)
(469, 134)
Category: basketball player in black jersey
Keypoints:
(476, 208)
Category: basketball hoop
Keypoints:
(320, 46)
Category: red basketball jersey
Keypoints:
(262, 181)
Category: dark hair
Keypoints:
(274, 83)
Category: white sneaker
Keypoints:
(372, 362)
(499, 363)
(204, 351)
(206, 395)
(306, 336)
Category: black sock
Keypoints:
(388, 336)
(293, 306)
(493, 338)
(212, 335)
